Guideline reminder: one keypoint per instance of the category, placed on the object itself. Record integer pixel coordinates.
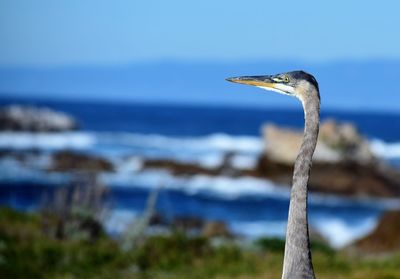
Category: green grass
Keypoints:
(27, 252)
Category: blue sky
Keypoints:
(48, 32)
(120, 50)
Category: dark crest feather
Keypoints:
(305, 76)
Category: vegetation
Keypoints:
(28, 251)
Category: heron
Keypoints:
(297, 261)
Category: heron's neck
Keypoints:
(297, 261)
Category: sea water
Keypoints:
(251, 207)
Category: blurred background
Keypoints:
(124, 153)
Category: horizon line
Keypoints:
(324, 62)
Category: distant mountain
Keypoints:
(357, 85)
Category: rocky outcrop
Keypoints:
(65, 161)
(336, 143)
(35, 119)
(342, 164)
(385, 238)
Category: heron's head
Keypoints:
(297, 83)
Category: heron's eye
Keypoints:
(286, 79)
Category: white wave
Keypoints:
(222, 142)
(48, 141)
(231, 143)
(128, 165)
(340, 233)
(219, 186)
(233, 188)
(385, 150)
(209, 160)
(244, 161)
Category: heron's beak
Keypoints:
(272, 83)
(259, 81)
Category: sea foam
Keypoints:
(48, 141)
(340, 233)
(386, 150)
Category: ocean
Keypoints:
(126, 134)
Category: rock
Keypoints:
(353, 179)
(343, 162)
(187, 223)
(71, 161)
(342, 178)
(34, 119)
(336, 142)
(215, 229)
(346, 140)
(385, 238)
(281, 145)
(182, 168)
